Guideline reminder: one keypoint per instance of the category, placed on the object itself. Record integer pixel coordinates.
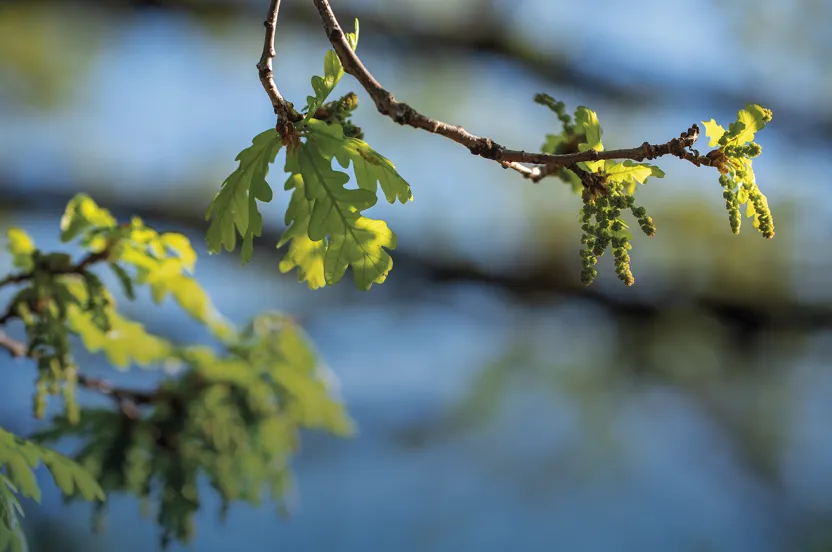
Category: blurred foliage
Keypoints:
(749, 392)
(797, 27)
(18, 459)
(43, 56)
(233, 415)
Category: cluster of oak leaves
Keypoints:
(233, 413)
(329, 233)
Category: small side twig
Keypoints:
(77, 268)
(485, 147)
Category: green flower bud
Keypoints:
(588, 275)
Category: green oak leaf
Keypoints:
(750, 120)
(631, 173)
(335, 207)
(180, 245)
(234, 208)
(12, 538)
(126, 342)
(713, 131)
(20, 457)
(323, 86)
(328, 138)
(753, 118)
(305, 254)
(83, 214)
(21, 246)
(362, 248)
(373, 169)
(553, 142)
(327, 231)
(124, 279)
(587, 120)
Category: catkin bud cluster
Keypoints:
(340, 111)
(740, 188)
(603, 227)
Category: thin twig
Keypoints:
(403, 114)
(79, 268)
(283, 109)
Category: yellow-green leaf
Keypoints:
(230, 209)
(362, 248)
(373, 169)
(182, 247)
(631, 173)
(191, 297)
(82, 214)
(587, 120)
(753, 117)
(21, 246)
(713, 131)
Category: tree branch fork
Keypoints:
(532, 165)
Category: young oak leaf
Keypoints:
(328, 138)
(631, 173)
(12, 538)
(323, 86)
(371, 168)
(255, 229)
(335, 207)
(750, 120)
(587, 120)
(234, 209)
(553, 142)
(362, 248)
(328, 233)
(714, 131)
(20, 457)
(305, 254)
(82, 215)
(21, 246)
(126, 342)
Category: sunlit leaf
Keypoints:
(182, 246)
(83, 214)
(373, 169)
(631, 173)
(21, 246)
(713, 131)
(305, 254)
(333, 72)
(231, 207)
(587, 120)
